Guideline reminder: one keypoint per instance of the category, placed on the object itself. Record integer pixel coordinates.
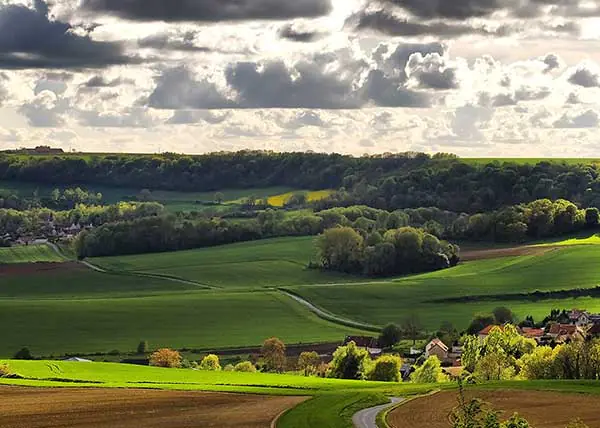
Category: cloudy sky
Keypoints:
(472, 77)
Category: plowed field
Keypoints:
(109, 408)
(541, 409)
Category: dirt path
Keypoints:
(102, 408)
(541, 409)
(494, 253)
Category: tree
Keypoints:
(4, 370)
(245, 366)
(166, 358)
(350, 362)
(494, 366)
(219, 198)
(540, 364)
(503, 315)
(386, 369)
(411, 327)
(23, 354)
(341, 249)
(273, 352)
(429, 372)
(142, 347)
(210, 363)
(472, 350)
(390, 335)
(308, 362)
(592, 217)
(480, 322)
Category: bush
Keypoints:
(308, 363)
(229, 368)
(4, 370)
(210, 363)
(166, 358)
(23, 354)
(390, 335)
(429, 372)
(350, 362)
(245, 366)
(386, 369)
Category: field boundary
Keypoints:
(328, 316)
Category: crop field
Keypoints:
(540, 408)
(311, 196)
(29, 254)
(264, 263)
(391, 301)
(101, 408)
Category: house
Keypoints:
(579, 317)
(533, 333)
(486, 331)
(564, 333)
(370, 343)
(594, 331)
(438, 348)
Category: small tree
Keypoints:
(210, 363)
(412, 328)
(429, 372)
(142, 347)
(229, 368)
(4, 370)
(592, 217)
(166, 358)
(219, 198)
(390, 335)
(23, 354)
(386, 369)
(480, 322)
(308, 362)
(245, 366)
(503, 315)
(350, 362)
(273, 352)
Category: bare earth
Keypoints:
(105, 408)
(495, 253)
(541, 409)
(18, 269)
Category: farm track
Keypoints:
(104, 408)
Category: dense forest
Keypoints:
(408, 180)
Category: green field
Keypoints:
(29, 254)
(392, 301)
(258, 264)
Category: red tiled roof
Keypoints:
(562, 329)
(532, 332)
(489, 328)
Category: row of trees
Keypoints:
(407, 180)
(66, 199)
(399, 251)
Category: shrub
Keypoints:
(350, 362)
(386, 369)
(166, 358)
(429, 372)
(210, 363)
(229, 368)
(142, 347)
(23, 354)
(577, 423)
(308, 363)
(390, 335)
(245, 366)
(4, 370)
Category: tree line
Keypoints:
(388, 181)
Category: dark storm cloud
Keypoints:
(209, 10)
(585, 78)
(29, 39)
(387, 23)
(290, 33)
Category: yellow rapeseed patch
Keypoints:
(280, 200)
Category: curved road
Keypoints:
(367, 418)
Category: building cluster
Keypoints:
(50, 231)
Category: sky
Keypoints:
(479, 78)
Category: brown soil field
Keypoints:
(18, 269)
(541, 409)
(495, 253)
(109, 408)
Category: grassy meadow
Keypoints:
(29, 254)
(257, 264)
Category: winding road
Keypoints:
(367, 418)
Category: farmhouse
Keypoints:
(564, 333)
(533, 333)
(579, 317)
(438, 348)
(486, 331)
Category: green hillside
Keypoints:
(264, 263)
(29, 254)
(391, 301)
